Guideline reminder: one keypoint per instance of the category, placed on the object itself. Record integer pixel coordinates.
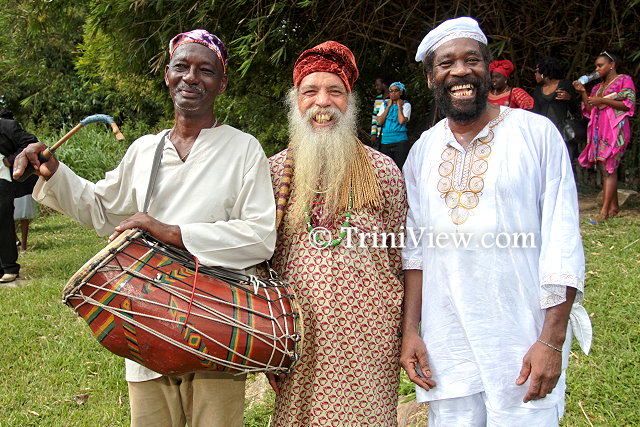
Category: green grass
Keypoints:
(49, 355)
(602, 388)
(606, 382)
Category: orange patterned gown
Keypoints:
(351, 299)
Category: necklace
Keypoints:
(182, 158)
(605, 86)
(335, 242)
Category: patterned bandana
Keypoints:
(463, 27)
(330, 57)
(504, 67)
(204, 38)
(399, 86)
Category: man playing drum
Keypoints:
(338, 201)
(212, 197)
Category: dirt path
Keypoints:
(590, 206)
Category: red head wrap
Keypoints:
(504, 67)
(330, 57)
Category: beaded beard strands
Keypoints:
(360, 189)
(462, 174)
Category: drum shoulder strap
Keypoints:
(154, 172)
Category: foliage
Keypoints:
(37, 78)
(94, 150)
(108, 55)
(265, 37)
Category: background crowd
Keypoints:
(595, 124)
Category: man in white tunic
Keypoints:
(493, 209)
(212, 197)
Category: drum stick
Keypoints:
(47, 153)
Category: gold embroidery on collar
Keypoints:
(462, 174)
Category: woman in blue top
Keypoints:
(393, 118)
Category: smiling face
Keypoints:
(195, 77)
(322, 98)
(460, 79)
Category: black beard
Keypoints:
(462, 111)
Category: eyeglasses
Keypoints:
(394, 90)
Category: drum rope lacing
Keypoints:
(193, 288)
(265, 338)
(275, 342)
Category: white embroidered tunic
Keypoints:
(513, 196)
(220, 197)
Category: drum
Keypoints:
(139, 299)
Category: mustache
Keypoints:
(331, 111)
(190, 88)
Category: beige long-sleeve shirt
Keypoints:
(220, 197)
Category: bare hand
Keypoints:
(578, 86)
(374, 139)
(400, 103)
(414, 352)
(274, 380)
(30, 156)
(164, 232)
(563, 95)
(596, 101)
(544, 366)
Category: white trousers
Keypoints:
(474, 411)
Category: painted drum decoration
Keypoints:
(138, 298)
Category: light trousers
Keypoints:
(473, 411)
(201, 399)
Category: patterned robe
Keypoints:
(351, 300)
(609, 131)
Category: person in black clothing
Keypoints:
(555, 98)
(13, 139)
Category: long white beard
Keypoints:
(321, 157)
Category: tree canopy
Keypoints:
(63, 59)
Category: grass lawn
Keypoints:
(54, 373)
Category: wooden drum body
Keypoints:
(138, 298)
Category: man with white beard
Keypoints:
(335, 200)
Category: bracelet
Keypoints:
(549, 345)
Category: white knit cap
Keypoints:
(458, 28)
